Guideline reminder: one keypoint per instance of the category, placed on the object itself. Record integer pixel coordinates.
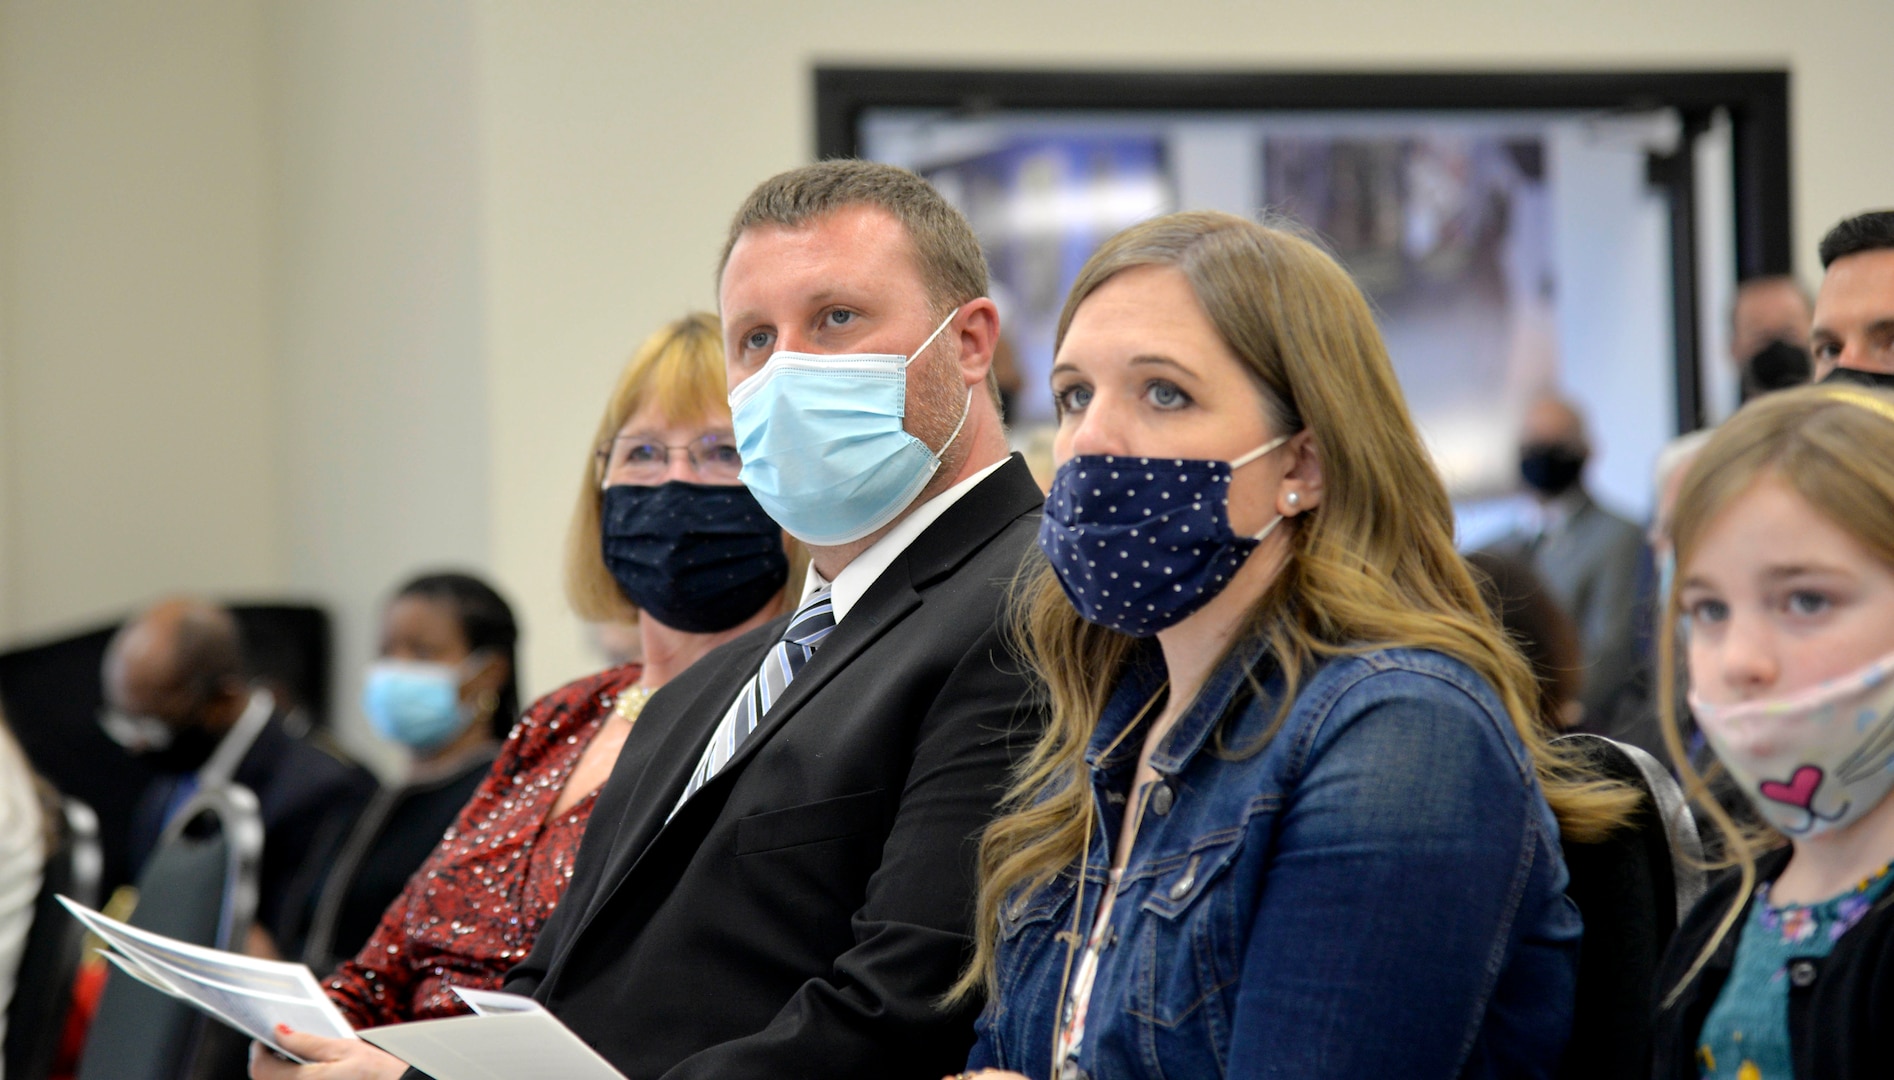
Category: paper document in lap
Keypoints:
(250, 995)
(509, 1038)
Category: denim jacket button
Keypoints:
(1182, 886)
(1161, 799)
(1802, 974)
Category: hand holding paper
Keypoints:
(329, 1059)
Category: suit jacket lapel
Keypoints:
(691, 719)
(966, 527)
(969, 524)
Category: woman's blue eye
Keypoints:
(1072, 399)
(839, 317)
(758, 339)
(1167, 396)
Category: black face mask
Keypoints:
(1873, 380)
(696, 557)
(1552, 468)
(187, 751)
(1776, 366)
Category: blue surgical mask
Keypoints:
(824, 450)
(1141, 543)
(415, 703)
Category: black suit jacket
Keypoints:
(801, 914)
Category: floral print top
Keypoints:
(1746, 1035)
(474, 908)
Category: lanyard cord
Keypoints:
(1078, 900)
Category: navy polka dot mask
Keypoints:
(1139, 543)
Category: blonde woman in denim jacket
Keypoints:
(1292, 817)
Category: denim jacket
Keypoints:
(1376, 891)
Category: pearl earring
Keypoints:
(1294, 500)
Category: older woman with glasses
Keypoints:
(662, 534)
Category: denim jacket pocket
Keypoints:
(1190, 941)
(1030, 954)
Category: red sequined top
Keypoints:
(474, 907)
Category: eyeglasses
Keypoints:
(641, 459)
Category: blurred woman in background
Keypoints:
(443, 688)
(662, 533)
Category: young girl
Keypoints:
(1785, 547)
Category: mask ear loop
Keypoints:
(1252, 456)
(964, 409)
(916, 355)
(1259, 452)
(1078, 900)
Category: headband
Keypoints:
(1871, 402)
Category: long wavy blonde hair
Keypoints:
(1374, 567)
(1834, 446)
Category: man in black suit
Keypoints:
(793, 899)
(177, 696)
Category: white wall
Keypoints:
(136, 270)
(413, 240)
(383, 386)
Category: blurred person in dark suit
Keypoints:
(178, 695)
(1588, 556)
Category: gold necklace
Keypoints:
(631, 702)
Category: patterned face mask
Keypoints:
(1815, 760)
(1141, 543)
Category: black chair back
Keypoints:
(1632, 889)
(200, 886)
(42, 994)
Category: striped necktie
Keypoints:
(811, 623)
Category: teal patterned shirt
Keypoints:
(1746, 1035)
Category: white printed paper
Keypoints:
(521, 1041)
(248, 994)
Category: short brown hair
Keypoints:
(947, 254)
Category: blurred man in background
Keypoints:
(178, 696)
(1769, 334)
(1588, 556)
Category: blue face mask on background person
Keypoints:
(823, 447)
(415, 703)
(698, 557)
(1140, 543)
